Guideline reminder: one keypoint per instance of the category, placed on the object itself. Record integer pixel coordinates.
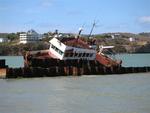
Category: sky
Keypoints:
(69, 15)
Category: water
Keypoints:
(134, 59)
(13, 61)
(128, 60)
(86, 94)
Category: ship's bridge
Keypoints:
(71, 49)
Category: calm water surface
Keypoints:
(86, 94)
(128, 60)
(134, 59)
(13, 61)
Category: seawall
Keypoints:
(70, 71)
(55, 67)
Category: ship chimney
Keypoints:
(56, 33)
(80, 30)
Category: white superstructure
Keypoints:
(29, 37)
(63, 52)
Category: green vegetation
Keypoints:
(141, 43)
(9, 49)
(10, 36)
(102, 36)
(13, 36)
(143, 49)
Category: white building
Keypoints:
(113, 36)
(29, 37)
(3, 40)
(131, 39)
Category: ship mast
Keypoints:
(94, 24)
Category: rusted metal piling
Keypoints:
(55, 67)
(3, 69)
(70, 70)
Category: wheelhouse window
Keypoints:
(71, 54)
(90, 55)
(80, 54)
(83, 54)
(53, 47)
(57, 50)
(75, 54)
(60, 52)
(87, 54)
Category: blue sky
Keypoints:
(68, 15)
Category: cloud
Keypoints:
(144, 19)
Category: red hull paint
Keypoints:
(106, 61)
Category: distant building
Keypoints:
(131, 39)
(113, 36)
(29, 37)
(3, 40)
